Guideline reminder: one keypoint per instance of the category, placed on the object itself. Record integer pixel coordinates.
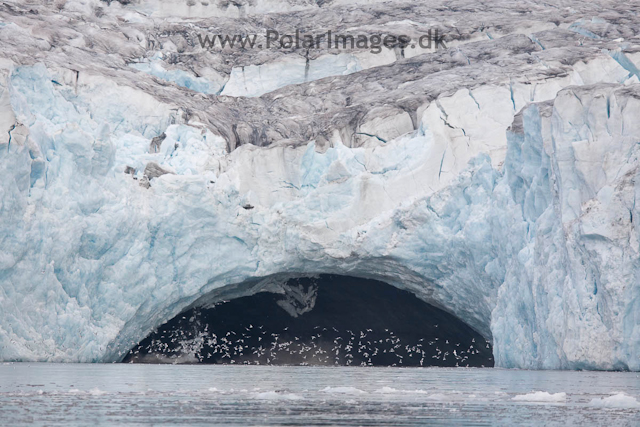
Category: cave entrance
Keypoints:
(325, 320)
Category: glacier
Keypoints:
(495, 179)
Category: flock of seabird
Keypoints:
(324, 346)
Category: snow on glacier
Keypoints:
(182, 78)
(527, 235)
(256, 80)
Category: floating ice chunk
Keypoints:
(343, 390)
(391, 390)
(274, 395)
(619, 400)
(541, 396)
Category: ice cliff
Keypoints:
(496, 179)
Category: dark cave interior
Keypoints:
(326, 320)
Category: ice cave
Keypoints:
(316, 321)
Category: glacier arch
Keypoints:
(422, 247)
(537, 249)
(135, 256)
(151, 314)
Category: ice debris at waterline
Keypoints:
(329, 320)
(495, 179)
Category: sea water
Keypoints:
(134, 394)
